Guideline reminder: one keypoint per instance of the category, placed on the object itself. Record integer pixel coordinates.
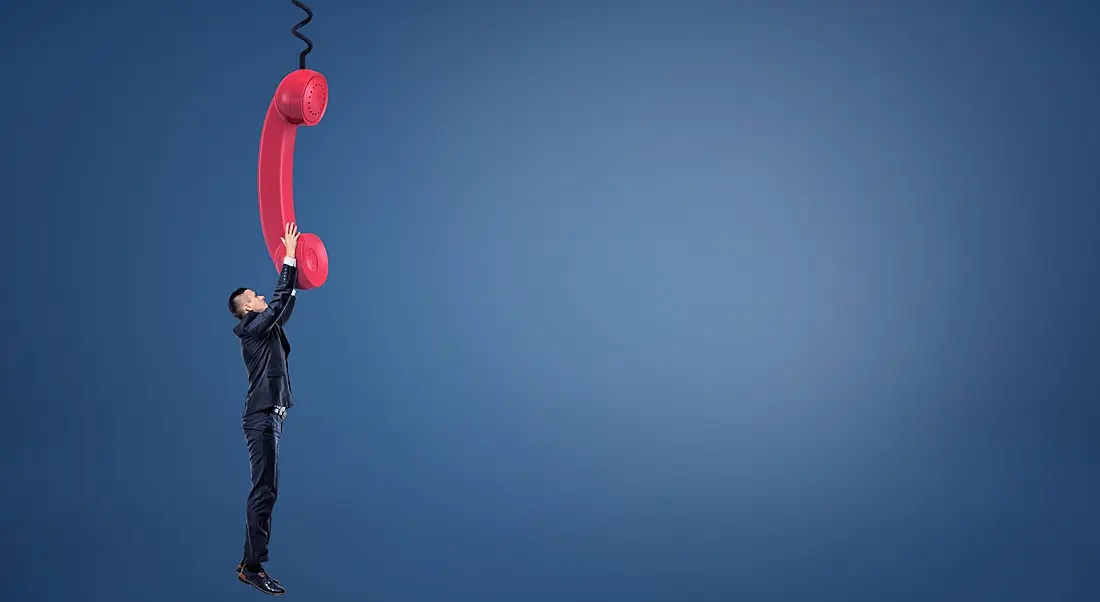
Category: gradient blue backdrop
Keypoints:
(639, 301)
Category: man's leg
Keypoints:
(262, 432)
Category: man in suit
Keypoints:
(265, 350)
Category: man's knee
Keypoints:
(263, 495)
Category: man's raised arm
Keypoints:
(282, 298)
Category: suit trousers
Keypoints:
(262, 431)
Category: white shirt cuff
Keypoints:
(293, 291)
(290, 261)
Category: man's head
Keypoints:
(244, 300)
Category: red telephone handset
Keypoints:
(300, 99)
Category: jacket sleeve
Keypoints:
(282, 301)
(289, 309)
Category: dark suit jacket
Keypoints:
(265, 348)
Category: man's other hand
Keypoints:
(290, 239)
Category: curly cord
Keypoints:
(294, 30)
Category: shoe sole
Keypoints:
(241, 578)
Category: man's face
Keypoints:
(250, 301)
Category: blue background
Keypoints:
(678, 301)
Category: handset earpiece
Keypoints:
(300, 100)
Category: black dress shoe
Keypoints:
(261, 581)
(240, 567)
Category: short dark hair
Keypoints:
(234, 307)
